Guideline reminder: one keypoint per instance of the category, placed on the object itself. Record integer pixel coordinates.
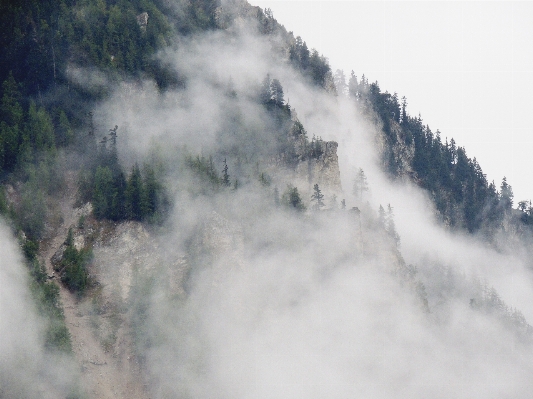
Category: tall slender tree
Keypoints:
(360, 185)
(317, 198)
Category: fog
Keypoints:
(27, 370)
(274, 302)
(313, 305)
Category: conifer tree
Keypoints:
(118, 199)
(135, 195)
(102, 192)
(113, 153)
(340, 82)
(360, 185)
(276, 91)
(265, 92)
(381, 217)
(353, 86)
(390, 226)
(151, 190)
(225, 176)
(506, 195)
(291, 198)
(317, 198)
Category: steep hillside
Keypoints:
(205, 210)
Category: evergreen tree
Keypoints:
(64, 131)
(265, 94)
(390, 226)
(73, 265)
(291, 198)
(403, 119)
(135, 196)
(304, 56)
(317, 198)
(381, 217)
(11, 119)
(340, 82)
(360, 185)
(353, 86)
(225, 176)
(118, 210)
(276, 91)
(39, 130)
(113, 153)
(152, 190)
(506, 195)
(102, 192)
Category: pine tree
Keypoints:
(118, 198)
(74, 273)
(390, 226)
(360, 185)
(135, 195)
(276, 93)
(113, 153)
(340, 82)
(11, 117)
(291, 198)
(317, 198)
(225, 176)
(381, 217)
(404, 112)
(353, 86)
(102, 192)
(506, 195)
(151, 189)
(265, 92)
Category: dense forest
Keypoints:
(49, 139)
(45, 112)
(463, 197)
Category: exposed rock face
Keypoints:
(402, 151)
(142, 20)
(323, 170)
(235, 11)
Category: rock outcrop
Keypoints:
(142, 20)
(322, 170)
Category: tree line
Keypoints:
(459, 188)
(116, 196)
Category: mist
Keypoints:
(280, 304)
(27, 368)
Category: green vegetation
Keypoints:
(457, 184)
(317, 198)
(139, 197)
(310, 63)
(73, 266)
(292, 200)
(46, 296)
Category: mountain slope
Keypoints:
(226, 222)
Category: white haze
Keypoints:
(292, 309)
(26, 369)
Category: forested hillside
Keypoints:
(462, 195)
(190, 185)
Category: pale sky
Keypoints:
(466, 67)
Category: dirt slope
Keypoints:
(99, 332)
